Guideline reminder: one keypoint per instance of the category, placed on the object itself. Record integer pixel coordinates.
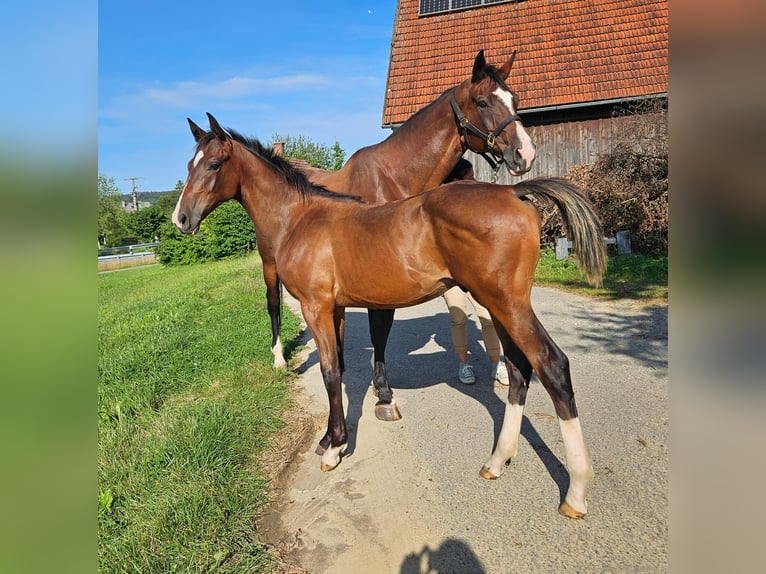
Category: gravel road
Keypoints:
(408, 498)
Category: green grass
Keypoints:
(637, 277)
(187, 401)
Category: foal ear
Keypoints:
(506, 68)
(196, 131)
(478, 67)
(216, 128)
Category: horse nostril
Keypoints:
(182, 218)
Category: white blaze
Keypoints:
(527, 149)
(174, 217)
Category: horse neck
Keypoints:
(266, 196)
(428, 144)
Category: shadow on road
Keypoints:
(453, 556)
(414, 362)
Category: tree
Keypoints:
(145, 223)
(317, 155)
(226, 232)
(167, 203)
(111, 216)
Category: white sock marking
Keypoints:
(279, 357)
(578, 463)
(508, 441)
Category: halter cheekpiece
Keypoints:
(489, 138)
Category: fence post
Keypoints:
(562, 248)
(623, 242)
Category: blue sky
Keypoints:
(316, 69)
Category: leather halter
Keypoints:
(489, 138)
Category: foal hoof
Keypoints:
(387, 412)
(569, 512)
(486, 474)
(326, 467)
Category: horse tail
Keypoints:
(580, 220)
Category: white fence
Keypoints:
(127, 255)
(621, 239)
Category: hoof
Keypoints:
(569, 512)
(387, 412)
(486, 474)
(327, 467)
(320, 450)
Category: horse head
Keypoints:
(209, 182)
(489, 123)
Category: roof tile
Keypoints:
(569, 51)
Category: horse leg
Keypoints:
(381, 321)
(552, 367)
(273, 304)
(340, 333)
(321, 321)
(519, 373)
(340, 330)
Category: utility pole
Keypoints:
(134, 195)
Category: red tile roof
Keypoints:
(569, 51)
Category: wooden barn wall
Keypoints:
(559, 147)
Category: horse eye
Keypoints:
(482, 104)
(215, 166)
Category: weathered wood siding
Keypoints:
(560, 146)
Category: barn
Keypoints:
(583, 69)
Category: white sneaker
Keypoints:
(501, 373)
(465, 374)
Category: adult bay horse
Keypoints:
(333, 251)
(479, 114)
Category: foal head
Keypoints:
(494, 111)
(210, 182)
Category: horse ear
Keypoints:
(506, 68)
(196, 131)
(216, 128)
(478, 67)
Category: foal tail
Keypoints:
(580, 219)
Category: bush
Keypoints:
(629, 184)
(630, 192)
(226, 232)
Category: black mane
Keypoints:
(294, 177)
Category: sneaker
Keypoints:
(501, 373)
(465, 374)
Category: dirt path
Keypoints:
(408, 498)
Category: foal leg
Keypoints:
(321, 321)
(552, 367)
(273, 304)
(339, 319)
(381, 321)
(519, 373)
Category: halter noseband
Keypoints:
(466, 126)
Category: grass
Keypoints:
(187, 401)
(636, 276)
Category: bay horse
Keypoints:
(334, 251)
(479, 114)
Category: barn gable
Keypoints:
(576, 60)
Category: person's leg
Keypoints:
(491, 342)
(455, 299)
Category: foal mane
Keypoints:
(292, 175)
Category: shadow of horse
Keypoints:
(420, 356)
(453, 556)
